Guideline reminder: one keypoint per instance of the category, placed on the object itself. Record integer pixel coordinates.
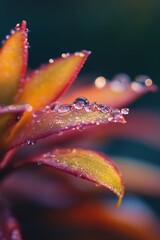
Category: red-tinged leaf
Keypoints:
(9, 115)
(147, 122)
(113, 93)
(50, 81)
(86, 164)
(13, 62)
(55, 119)
(105, 220)
(9, 227)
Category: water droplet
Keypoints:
(51, 60)
(91, 107)
(39, 163)
(79, 54)
(12, 31)
(31, 142)
(17, 25)
(80, 103)
(64, 108)
(100, 82)
(103, 108)
(54, 106)
(137, 87)
(120, 82)
(124, 111)
(65, 55)
(141, 79)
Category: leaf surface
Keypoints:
(13, 62)
(56, 120)
(114, 93)
(50, 81)
(86, 164)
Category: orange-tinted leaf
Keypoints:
(13, 62)
(55, 119)
(86, 164)
(49, 82)
(147, 183)
(114, 93)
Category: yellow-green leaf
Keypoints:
(91, 165)
(50, 81)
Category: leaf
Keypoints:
(114, 93)
(50, 81)
(55, 119)
(9, 115)
(86, 164)
(13, 62)
(147, 183)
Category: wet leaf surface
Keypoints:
(86, 164)
(55, 119)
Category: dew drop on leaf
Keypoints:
(64, 108)
(80, 103)
(120, 82)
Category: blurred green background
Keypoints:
(123, 35)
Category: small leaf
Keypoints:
(56, 119)
(13, 62)
(50, 81)
(114, 93)
(86, 164)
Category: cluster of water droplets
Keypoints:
(122, 81)
(81, 105)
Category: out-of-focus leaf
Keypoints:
(149, 176)
(13, 62)
(9, 227)
(111, 94)
(92, 220)
(50, 81)
(56, 120)
(86, 164)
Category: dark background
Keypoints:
(123, 35)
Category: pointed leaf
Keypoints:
(56, 120)
(49, 82)
(113, 93)
(13, 62)
(86, 164)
